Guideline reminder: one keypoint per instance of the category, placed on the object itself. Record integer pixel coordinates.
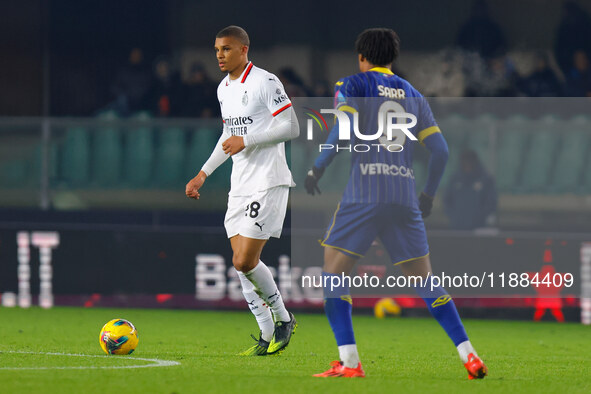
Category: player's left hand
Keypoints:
(233, 145)
(193, 186)
(311, 182)
(425, 204)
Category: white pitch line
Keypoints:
(155, 362)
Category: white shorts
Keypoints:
(259, 216)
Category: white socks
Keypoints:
(258, 307)
(464, 349)
(349, 356)
(266, 288)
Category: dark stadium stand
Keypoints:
(511, 145)
(75, 156)
(107, 153)
(170, 157)
(138, 157)
(571, 157)
(537, 162)
(540, 154)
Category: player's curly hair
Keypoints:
(379, 46)
(234, 31)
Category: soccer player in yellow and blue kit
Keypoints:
(380, 199)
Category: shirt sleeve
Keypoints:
(273, 95)
(217, 157)
(344, 100)
(284, 127)
(437, 161)
(345, 95)
(426, 124)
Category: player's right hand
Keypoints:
(425, 204)
(192, 188)
(311, 182)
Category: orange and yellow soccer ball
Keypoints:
(386, 306)
(118, 336)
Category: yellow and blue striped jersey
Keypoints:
(381, 173)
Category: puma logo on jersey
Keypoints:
(259, 225)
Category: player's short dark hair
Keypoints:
(234, 31)
(379, 46)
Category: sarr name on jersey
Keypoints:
(391, 92)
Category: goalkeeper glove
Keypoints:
(425, 204)
(311, 182)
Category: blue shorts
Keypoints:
(401, 229)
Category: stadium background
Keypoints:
(108, 178)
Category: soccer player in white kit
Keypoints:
(258, 118)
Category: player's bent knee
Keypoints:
(417, 267)
(337, 262)
(242, 263)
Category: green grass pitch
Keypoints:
(398, 355)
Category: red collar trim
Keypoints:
(246, 72)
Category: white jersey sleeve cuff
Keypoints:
(284, 127)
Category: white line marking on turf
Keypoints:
(155, 362)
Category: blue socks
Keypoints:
(444, 311)
(338, 306)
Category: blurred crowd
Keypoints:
(161, 91)
(486, 69)
(477, 66)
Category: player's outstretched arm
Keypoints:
(322, 161)
(217, 158)
(436, 144)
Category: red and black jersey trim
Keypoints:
(280, 110)
(246, 72)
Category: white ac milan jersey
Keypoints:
(248, 106)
